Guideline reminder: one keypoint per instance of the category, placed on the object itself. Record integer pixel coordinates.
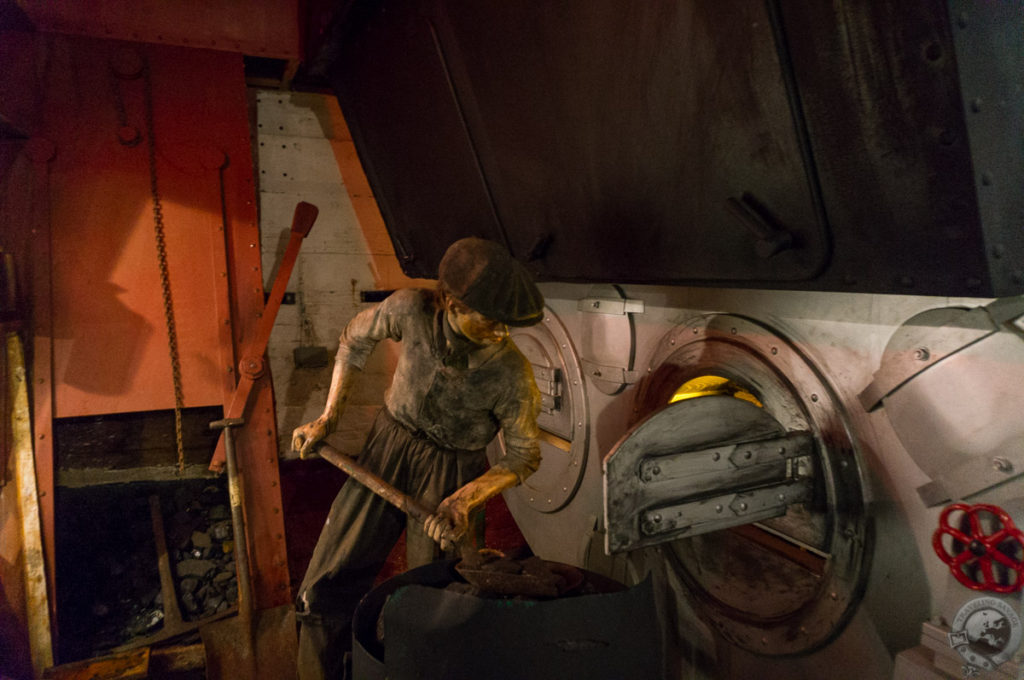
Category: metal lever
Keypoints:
(771, 240)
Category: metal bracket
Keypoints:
(974, 476)
(613, 375)
(726, 510)
(600, 305)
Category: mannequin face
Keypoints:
(473, 325)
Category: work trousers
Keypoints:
(360, 532)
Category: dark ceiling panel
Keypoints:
(817, 146)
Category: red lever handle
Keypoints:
(304, 217)
(979, 549)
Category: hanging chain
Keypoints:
(165, 280)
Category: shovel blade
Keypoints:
(264, 650)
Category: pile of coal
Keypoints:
(490, 572)
(200, 543)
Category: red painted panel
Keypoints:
(265, 28)
(106, 331)
(110, 344)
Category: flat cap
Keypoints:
(485, 277)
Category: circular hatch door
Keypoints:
(742, 476)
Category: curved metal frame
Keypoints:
(556, 482)
(799, 396)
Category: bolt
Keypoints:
(1002, 465)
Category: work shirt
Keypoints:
(446, 388)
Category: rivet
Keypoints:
(743, 507)
(998, 251)
(782, 450)
(733, 331)
(986, 179)
(907, 282)
(656, 470)
(834, 595)
(718, 508)
(976, 105)
(531, 499)
(775, 350)
(695, 331)
(747, 455)
(922, 354)
(716, 455)
(814, 397)
(672, 341)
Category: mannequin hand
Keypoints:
(305, 437)
(449, 523)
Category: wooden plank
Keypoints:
(131, 665)
(41, 151)
(35, 573)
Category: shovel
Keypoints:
(259, 645)
(550, 580)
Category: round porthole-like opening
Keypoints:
(786, 572)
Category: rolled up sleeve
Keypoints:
(369, 327)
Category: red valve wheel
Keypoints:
(979, 548)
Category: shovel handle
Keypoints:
(402, 501)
